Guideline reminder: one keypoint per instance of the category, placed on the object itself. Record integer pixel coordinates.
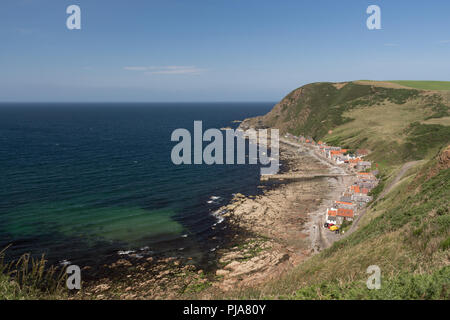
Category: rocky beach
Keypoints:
(269, 234)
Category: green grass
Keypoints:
(404, 286)
(423, 139)
(375, 192)
(345, 226)
(30, 279)
(409, 208)
(395, 133)
(424, 85)
(406, 234)
(326, 105)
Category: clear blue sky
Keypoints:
(213, 50)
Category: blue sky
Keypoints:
(212, 50)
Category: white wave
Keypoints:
(125, 252)
(218, 215)
(65, 262)
(214, 199)
(219, 220)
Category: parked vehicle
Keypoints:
(334, 228)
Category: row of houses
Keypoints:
(357, 195)
(353, 199)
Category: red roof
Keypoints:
(348, 213)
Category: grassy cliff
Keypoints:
(407, 233)
(395, 122)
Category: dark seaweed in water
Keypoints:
(80, 182)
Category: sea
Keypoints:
(84, 183)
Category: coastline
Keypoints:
(269, 233)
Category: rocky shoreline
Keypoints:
(270, 233)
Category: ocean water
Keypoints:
(86, 182)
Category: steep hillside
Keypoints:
(395, 123)
(406, 233)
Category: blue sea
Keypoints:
(84, 183)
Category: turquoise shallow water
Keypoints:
(81, 182)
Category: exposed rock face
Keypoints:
(443, 162)
(444, 159)
(279, 116)
(165, 278)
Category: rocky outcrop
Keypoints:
(444, 159)
(442, 162)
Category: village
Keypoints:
(354, 199)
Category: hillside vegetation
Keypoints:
(407, 233)
(425, 85)
(395, 123)
(30, 279)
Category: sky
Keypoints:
(212, 50)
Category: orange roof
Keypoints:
(331, 212)
(335, 151)
(348, 213)
(357, 189)
(343, 202)
(364, 173)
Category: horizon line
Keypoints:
(133, 102)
